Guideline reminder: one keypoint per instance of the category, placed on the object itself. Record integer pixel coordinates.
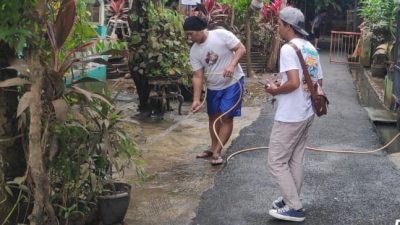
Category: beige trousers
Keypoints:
(286, 158)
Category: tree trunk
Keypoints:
(249, 68)
(233, 13)
(41, 192)
(273, 57)
(35, 161)
(276, 43)
(43, 211)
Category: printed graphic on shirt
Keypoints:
(211, 58)
(311, 60)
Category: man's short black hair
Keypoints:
(194, 23)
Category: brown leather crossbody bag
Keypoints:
(318, 97)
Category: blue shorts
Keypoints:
(220, 101)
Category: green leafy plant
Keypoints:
(83, 30)
(14, 23)
(160, 49)
(379, 18)
(45, 109)
(93, 148)
(241, 10)
(106, 46)
(21, 196)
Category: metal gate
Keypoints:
(345, 47)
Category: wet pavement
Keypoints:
(177, 178)
(338, 188)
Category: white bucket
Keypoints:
(256, 4)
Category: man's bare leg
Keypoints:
(214, 140)
(224, 129)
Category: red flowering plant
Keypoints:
(116, 7)
(216, 13)
(267, 26)
(270, 12)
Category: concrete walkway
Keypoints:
(338, 188)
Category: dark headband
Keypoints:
(194, 23)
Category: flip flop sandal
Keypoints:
(217, 161)
(205, 154)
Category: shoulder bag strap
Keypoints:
(305, 70)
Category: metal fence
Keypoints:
(345, 47)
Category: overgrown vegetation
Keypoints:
(93, 147)
(14, 23)
(160, 49)
(71, 136)
(379, 17)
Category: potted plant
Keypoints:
(94, 150)
(113, 203)
(74, 136)
(381, 60)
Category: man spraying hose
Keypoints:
(214, 57)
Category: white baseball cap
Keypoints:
(294, 17)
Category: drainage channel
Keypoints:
(386, 131)
(370, 91)
(384, 123)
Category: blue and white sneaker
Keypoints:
(288, 214)
(278, 203)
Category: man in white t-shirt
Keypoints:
(294, 115)
(214, 57)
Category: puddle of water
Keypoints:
(123, 96)
(179, 178)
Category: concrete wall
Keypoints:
(369, 96)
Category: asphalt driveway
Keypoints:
(339, 189)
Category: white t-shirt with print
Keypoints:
(213, 56)
(296, 105)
